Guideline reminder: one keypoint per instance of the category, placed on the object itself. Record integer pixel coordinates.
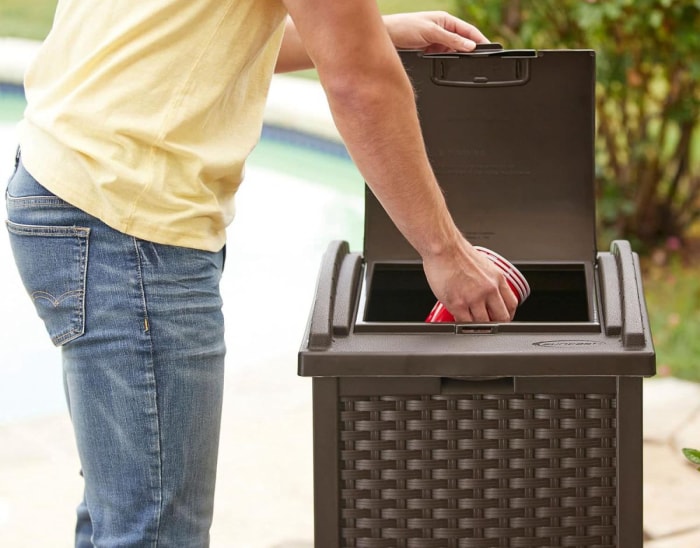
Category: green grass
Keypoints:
(673, 301)
(26, 18)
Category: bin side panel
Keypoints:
(522, 469)
(630, 455)
(326, 472)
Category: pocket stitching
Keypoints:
(82, 235)
(55, 301)
(47, 231)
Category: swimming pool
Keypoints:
(300, 193)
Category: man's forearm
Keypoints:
(376, 115)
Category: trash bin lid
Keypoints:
(510, 135)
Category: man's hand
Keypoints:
(470, 286)
(432, 32)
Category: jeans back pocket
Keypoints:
(52, 262)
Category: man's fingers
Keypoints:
(432, 31)
(450, 40)
(510, 299)
(479, 314)
(467, 30)
(499, 310)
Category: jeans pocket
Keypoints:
(52, 262)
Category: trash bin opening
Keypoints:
(400, 293)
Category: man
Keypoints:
(140, 117)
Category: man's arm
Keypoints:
(373, 106)
(430, 31)
(292, 54)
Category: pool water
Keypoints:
(11, 103)
(299, 194)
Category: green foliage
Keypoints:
(648, 100)
(693, 455)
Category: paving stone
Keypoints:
(690, 539)
(37, 503)
(264, 489)
(669, 404)
(37, 439)
(671, 486)
(688, 435)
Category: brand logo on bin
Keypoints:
(567, 343)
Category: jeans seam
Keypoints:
(147, 333)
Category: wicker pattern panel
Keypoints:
(478, 471)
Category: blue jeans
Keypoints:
(142, 340)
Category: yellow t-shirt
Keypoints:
(143, 113)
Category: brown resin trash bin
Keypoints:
(521, 434)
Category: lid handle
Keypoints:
(321, 323)
(610, 294)
(474, 69)
(627, 268)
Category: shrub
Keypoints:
(648, 101)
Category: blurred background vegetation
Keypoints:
(26, 19)
(647, 138)
(648, 130)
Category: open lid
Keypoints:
(510, 135)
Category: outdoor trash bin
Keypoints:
(521, 434)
